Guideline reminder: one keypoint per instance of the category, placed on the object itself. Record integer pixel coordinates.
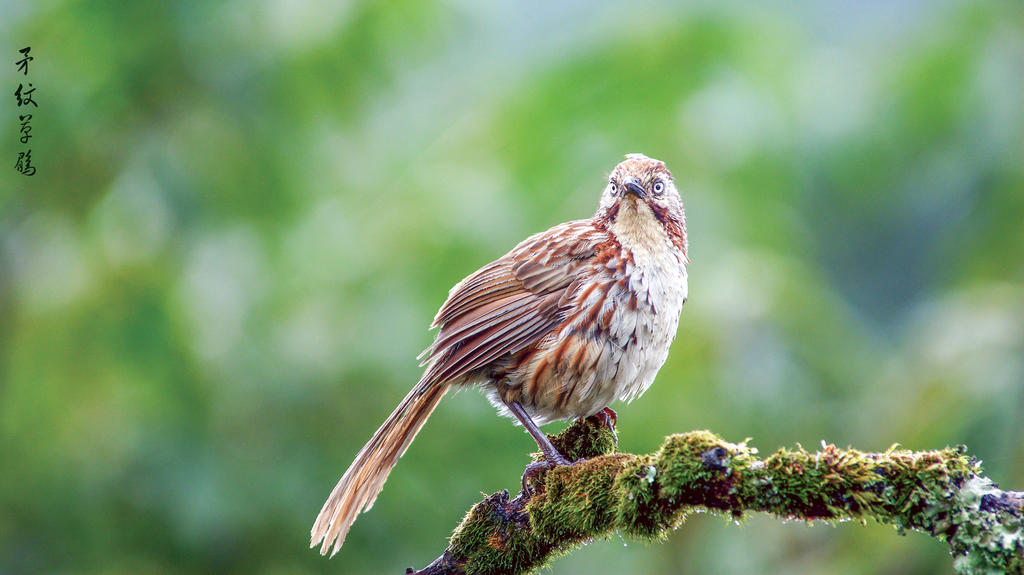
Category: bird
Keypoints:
(567, 322)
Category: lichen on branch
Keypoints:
(941, 493)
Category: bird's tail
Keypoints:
(358, 488)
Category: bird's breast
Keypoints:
(616, 335)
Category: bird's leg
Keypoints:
(549, 451)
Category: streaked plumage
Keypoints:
(570, 320)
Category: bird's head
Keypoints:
(641, 205)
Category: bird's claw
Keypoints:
(609, 418)
(537, 467)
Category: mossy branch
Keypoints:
(941, 493)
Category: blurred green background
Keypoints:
(245, 215)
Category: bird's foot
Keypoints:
(551, 461)
(533, 470)
(609, 418)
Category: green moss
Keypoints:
(495, 538)
(579, 501)
(499, 536)
(584, 439)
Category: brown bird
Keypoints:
(567, 322)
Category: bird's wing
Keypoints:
(511, 303)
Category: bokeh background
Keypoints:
(245, 215)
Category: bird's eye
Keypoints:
(659, 187)
(612, 187)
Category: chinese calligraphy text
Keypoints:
(23, 96)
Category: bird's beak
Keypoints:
(634, 187)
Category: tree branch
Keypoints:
(941, 493)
